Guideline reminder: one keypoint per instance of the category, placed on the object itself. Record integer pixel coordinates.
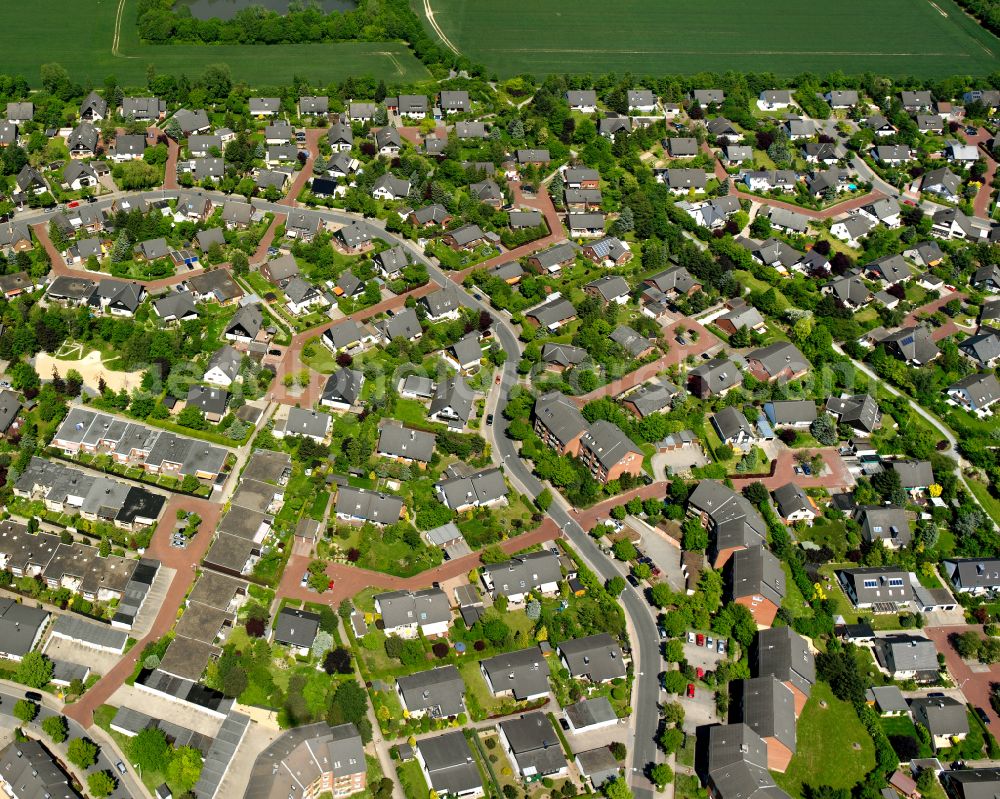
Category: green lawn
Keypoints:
(412, 781)
(895, 37)
(80, 38)
(902, 726)
(986, 499)
(825, 746)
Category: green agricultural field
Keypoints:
(655, 37)
(99, 38)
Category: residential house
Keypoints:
(452, 402)
(608, 251)
(342, 390)
(477, 490)
(977, 393)
(912, 345)
(552, 314)
(767, 706)
(714, 378)
(774, 99)
(945, 718)
(731, 519)
(305, 422)
(584, 101)
(908, 657)
(314, 106)
(781, 653)
(757, 583)
(876, 588)
(296, 628)
(983, 347)
(405, 324)
(733, 428)
(790, 413)
(609, 453)
(943, 183)
(523, 675)
(976, 576)
(361, 506)
(448, 765)
(886, 523)
(516, 578)
(224, 365)
(554, 258)
(407, 613)
(533, 746)
(780, 360)
(404, 444)
(438, 693)
(389, 187)
(793, 504)
(595, 658)
(914, 476)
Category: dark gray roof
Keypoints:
(757, 572)
(608, 443)
(735, 521)
(942, 715)
(404, 324)
(737, 764)
(860, 411)
(33, 773)
(523, 573)
(910, 653)
(791, 498)
(534, 743)
(767, 706)
(718, 374)
(403, 608)
(301, 756)
(344, 386)
(730, 422)
(525, 672)
(587, 712)
(480, 488)
(19, 624)
(552, 313)
(790, 411)
(89, 632)
(449, 763)
(972, 573)
(10, 407)
(779, 356)
(785, 655)
(296, 627)
(398, 441)
(452, 400)
(372, 506)
(597, 657)
(973, 783)
(631, 341)
(438, 691)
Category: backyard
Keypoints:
(833, 747)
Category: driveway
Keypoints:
(678, 461)
(99, 661)
(661, 549)
(975, 685)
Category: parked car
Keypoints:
(121, 767)
(690, 691)
(701, 639)
(305, 580)
(690, 638)
(982, 715)
(971, 130)
(632, 581)
(489, 418)
(34, 696)
(662, 632)
(709, 642)
(720, 647)
(699, 673)
(806, 468)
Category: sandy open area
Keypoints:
(90, 367)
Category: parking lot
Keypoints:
(702, 656)
(660, 549)
(99, 661)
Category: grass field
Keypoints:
(825, 753)
(81, 37)
(893, 37)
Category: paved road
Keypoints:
(984, 196)
(128, 786)
(974, 685)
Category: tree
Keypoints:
(661, 775)
(694, 535)
(823, 430)
(675, 682)
(493, 554)
(544, 500)
(756, 492)
(184, 768)
(624, 549)
(34, 670)
(25, 710)
(967, 645)
(56, 728)
(671, 739)
(149, 749)
(100, 783)
(616, 788)
(82, 753)
(615, 585)
(338, 661)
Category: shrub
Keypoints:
(440, 649)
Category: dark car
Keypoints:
(632, 581)
(489, 418)
(971, 130)
(982, 715)
(34, 696)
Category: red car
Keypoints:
(700, 639)
(699, 673)
(690, 690)
(330, 585)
